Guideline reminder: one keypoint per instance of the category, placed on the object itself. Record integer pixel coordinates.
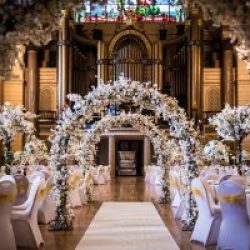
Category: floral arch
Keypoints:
(145, 97)
(160, 139)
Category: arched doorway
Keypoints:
(130, 57)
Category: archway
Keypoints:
(130, 56)
(102, 96)
(160, 139)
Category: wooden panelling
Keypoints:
(13, 92)
(212, 76)
(47, 78)
(47, 75)
(243, 83)
(246, 143)
(211, 89)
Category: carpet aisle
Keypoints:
(127, 226)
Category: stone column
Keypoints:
(46, 58)
(63, 62)
(32, 87)
(160, 67)
(1, 102)
(156, 65)
(195, 63)
(1, 90)
(99, 57)
(227, 86)
(147, 151)
(71, 57)
(112, 154)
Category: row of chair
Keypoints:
(227, 222)
(21, 201)
(154, 175)
(78, 194)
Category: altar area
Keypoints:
(129, 140)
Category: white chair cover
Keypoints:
(107, 173)
(47, 209)
(22, 185)
(98, 176)
(74, 183)
(208, 223)
(7, 198)
(88, 179)
(158, 177)
(25, 221)
(153, 175)
(235, 229)
(74, 198)
(36, 174)
(82, 194)
(178, 203)
(147, 173)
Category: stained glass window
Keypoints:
(138, 10)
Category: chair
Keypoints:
(44, 170)
(22, 185)
(101, 177)
(7, 198)
(158, 177)
(36, 174)
(74, 182)
(107, 173)
(208, 223)
(235, 230)
(98, 176)
(172, 184)
(82, 194)
(25, 218)
(178, 204)
(88, 179)
(147, 173)
(47, 209)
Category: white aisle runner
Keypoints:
(127, 226)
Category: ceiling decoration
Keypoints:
(234, 14)
(30, 23)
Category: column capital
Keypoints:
(66, 13)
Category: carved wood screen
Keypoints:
(130, 58)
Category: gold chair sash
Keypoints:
(45, 191)
(8, 197)
(197, 192)
(234, 199)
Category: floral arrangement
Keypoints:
(16, 28)
(26, 25)
(235, 15)
(215, 150)
(233, 124)
(13, 119)
(104, 95)
(34, 151)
